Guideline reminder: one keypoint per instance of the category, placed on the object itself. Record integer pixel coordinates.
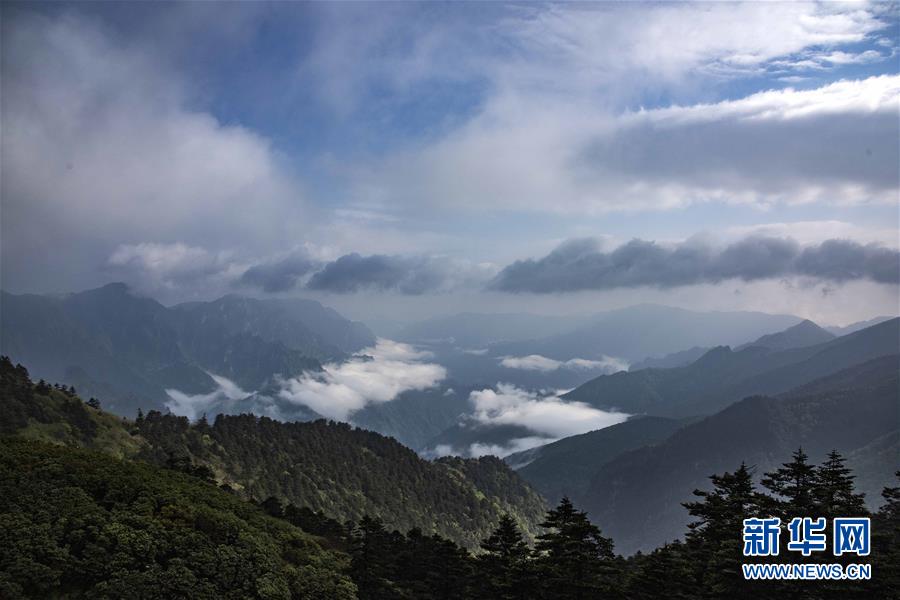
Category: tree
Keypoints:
(834, 493)
(714, 540)
(371, 560)
(576, 561)
(793, 482)
(504, 564)
(93, 403)
(886, 543)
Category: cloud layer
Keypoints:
(536, 362)
(547, 416)
(411, 275)
(581, 264)
(378, 375)
(193, 406)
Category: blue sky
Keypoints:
(177, 146)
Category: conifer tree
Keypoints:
(504, 564)
(370, 564)
(886, 544)
(714, 539)
(576, 561)
(834, 493)
(793, 483)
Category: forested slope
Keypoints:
(342, 471)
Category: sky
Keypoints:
(399, 161)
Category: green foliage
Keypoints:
(347, 473)
(80, 523)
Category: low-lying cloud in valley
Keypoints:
(536, 362)
(547, 416)
(376, 375)
(193, 406)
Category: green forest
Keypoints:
(93, 505)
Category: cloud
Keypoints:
(716, 40)
(170, 265)
(280, 275)
(546, 416)
(377, 375)
(194, 405)
(514, 445)
(104, 149)
(581, 265)
(536, 362)
(411, 275)
(834, 145)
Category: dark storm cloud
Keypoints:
(279, 276)
(411, 275)
(580, 265)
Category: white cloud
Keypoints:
(835, 144)
(546, 416)
(102, 149)
(378, 375)
(670, 41)
(194, 405)
(172, 265)
(514, 445)
(536, 362)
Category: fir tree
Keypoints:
(576, 561)
(793, 482)
(370, 565)
(714, 539)
(834, 493)
(504, 564)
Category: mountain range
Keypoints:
(637, 495)
(130, 349)
(722, 376)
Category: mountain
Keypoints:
(722, 376)
(565, 467)
(318, 331)
(670, 361)
(477, 330)
(637, 496)
(637, 332)
(853, 327)
(336, 469)
(805, 333)
(416, 416)
(112, 343)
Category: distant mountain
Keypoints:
(416, 416)
(477, 330)
(636, 496)
(566, 467)
(300, 324)
(670, 361)
(637, 332)
(342, 471)
(128, 349)
(722, 376)
(853, 327)
(805, 333)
